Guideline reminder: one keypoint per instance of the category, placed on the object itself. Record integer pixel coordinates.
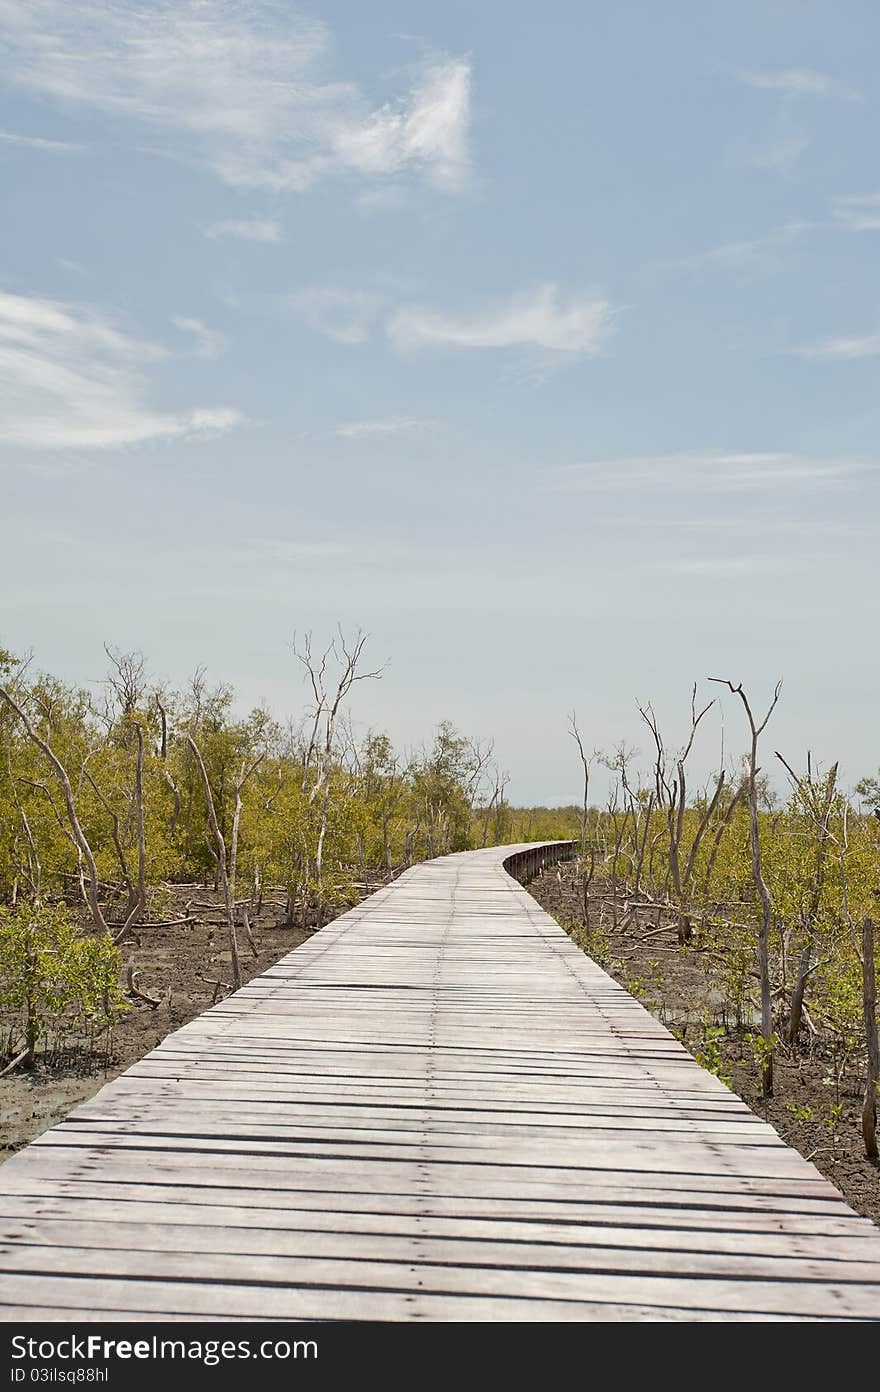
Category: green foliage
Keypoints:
(799, 1113)
(868, 789)
(321, 814)
(707, 1050)
(594, 941)
(52, 979)
(762, 1050)
(831, 1121)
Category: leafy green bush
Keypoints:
(53, 981)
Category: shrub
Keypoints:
(53, 980)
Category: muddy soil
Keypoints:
(811, 1110)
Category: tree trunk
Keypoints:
(797, 996)
(221, 864)
(869, 1001)
(79, 837)
(760, 883)
(763, 933)
(31, 1034)
(139, 907)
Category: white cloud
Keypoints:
(244, 81)
(860, 212)
(747, 254)
(800, 82)
(769, 524)
(37, 142)
(741, 566)
(712, 470)
(208, 342)
(780, 155)
(867, 346)
(272, 552)
(538, 319)
(73, 380)
(429, 129)
(394, 425)
(346, 316)
(709, 566)
(245, 230)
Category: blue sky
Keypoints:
(542, 344)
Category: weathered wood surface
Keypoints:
(437, 1108)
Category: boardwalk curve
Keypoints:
(436, 1108)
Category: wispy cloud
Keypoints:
(867, 346)
(539, 319)
(780, 155)
(712, 470)
(710, 566)
(74, 380)
(801, 82)
(279, 552)
(771, 524)
(748, 254)
(428, 129)
(208, 342)
(860, 212)
(346, 316)
(730, 567)
(38, 142)
(394, 425)
(243, 86)
(245, 230)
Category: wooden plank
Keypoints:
(808, 1293)
(469, 1245)
(435, 1108)
(692, 1231)
(161, 1301)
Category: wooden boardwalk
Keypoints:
(436, 1108)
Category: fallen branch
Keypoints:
(135, 991)
(19, 1058)
(655, 932)
(169, 922)
(218, 986)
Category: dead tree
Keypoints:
(327, 705)
(328, 702)
(585, 764)
(163, 755)
(872, 1040)
(244, 774)
(865, 951)
(641, 846)
(33, 870)
(137, 890)
(500, 780)
(139, 908)
(77, 834)
(478, 763)
(671, 794)
(818, 804)
(221, 861)
(126, 680)
(756, 730)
